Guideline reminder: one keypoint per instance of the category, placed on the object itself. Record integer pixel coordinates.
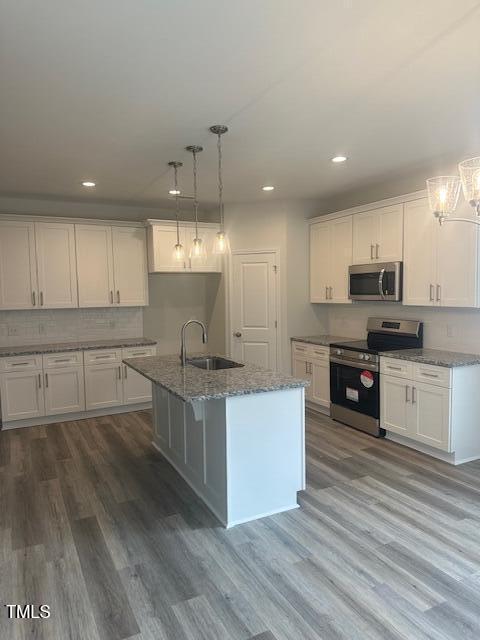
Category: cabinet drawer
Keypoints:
(21, 363)
(319, 353)
(300, 348)
(440, 376)
(138, 352)
(101, 356)
(397, 368)
(60, 360)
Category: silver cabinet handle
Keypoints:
(111, 297)
(389, 366)
(39, 380)
(119, 373)
(331, 293)
(371, 252)
(414, 395)
(439, 292)
(377, 248)
(432, 293)
(326, 292)
(125, 374)
(46, 380)
(64, 360)
(118, 296)
(41, 298)
(237, 334)
(407, 395)
(429, 375)
(34, 302)
(306, 367)
(19, 364)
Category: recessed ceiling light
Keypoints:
(174, 192)
(339, 159)
(88, 183)
(268, 188)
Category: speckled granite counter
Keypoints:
(435, 356)
(191, 383)
(322, 340)
(83, 345)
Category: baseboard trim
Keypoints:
(450, 458)
(79, 415)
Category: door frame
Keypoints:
(229, 301)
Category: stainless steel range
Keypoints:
(355, 371)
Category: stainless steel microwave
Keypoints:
(381, 281)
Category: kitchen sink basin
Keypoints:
(213, 363)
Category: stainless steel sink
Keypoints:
(213, 363)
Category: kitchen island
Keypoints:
(236, 435)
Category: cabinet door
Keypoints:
(300, 369)
(18, 270)
(420, 250)
(94, 265)
(320, 386)
(210, 262)
(22, 395)
(64, 390)
(395, 396)
(430, 415)
(320, 234)
(340, 259)
(364, 237)
(136, 388)
(389, 234)
(103, 386)
(130, 266)
(457, 272)
(56, 265)
(161, 243)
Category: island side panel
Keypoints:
(265, 453)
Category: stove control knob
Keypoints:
(339, 352)
(368, 357)
(361, 356)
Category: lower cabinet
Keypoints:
(311, 362)
(64, 390)
(103, 385)
(22, 395)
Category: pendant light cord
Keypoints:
(195, 199)
(177, 205)
(220, 182)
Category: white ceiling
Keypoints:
(114, 89)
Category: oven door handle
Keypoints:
(356, 365)
(380, 283)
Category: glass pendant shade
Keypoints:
(197, 250)
(443, 192)
(179, 253)
(470, 176)
(221, 246)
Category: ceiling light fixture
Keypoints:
(89, 183)
(338, 159)
(197, 250)
(268, 188)
(178, 250)
(443, 192)
(221, 245)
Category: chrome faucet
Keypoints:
(183, 352)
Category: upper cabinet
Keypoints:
(37, 265)
(111, 266)
(162, 238)
(378, 235)
(441, 262)
(330, 257)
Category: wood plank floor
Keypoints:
(94, 523)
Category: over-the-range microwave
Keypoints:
(381, 281)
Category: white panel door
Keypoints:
(364, 237)
(254, 309)
(18, 269)
(340, 251)
(457, 272)
(395, 396)
(130, 266)
(320, 383)
(320, 241)
(430, 415)
(56, 265)
(420, 254)
(22, 395)
(161, 243)
(64, 390)
(389, 243)
(94, 265)
(210, 263)
(136, 388)
(103, 386)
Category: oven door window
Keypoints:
(355, 389)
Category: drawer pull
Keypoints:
(389, 366)
(19, 364)
(429, 375)
(64, 360)
(140, 353)
(103, 357)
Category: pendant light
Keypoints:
(221, 245)
(178, 250)
(197, 250)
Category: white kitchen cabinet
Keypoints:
(429, 419)
(395, 396)
(64, 390)
(330, 257)
(136, 388)
(378, 235)
(56, 265)
(441, 262)
(301, 370)
(103, 386)
(22, 395)
(18, 269)
(312, 362)
(94, 265)
(130, 266)
(320, 387)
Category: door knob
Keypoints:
(237, 334)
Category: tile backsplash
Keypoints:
(61, 325)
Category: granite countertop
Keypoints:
(436, 357)
(190, 383)
(322, 340)
(82, 345)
